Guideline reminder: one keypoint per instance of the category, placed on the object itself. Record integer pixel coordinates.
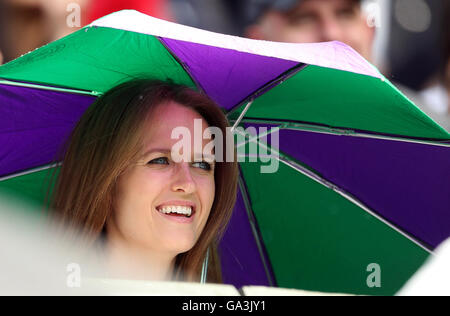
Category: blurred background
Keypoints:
(408, 40)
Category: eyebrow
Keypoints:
(168, 151)
(157, 150)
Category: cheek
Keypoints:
(206, 188)
(138, 191)
(360, 33)
(306, 33)
(308, 36)
(273, 27)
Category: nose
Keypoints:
(331, 30)
(182, 179)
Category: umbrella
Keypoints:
(361, 192)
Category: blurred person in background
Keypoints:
(308, 21)
(29, 24)
(221, 16)
(62, 17)
(156, 8)
(22, 27)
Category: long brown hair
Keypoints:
(111, 130)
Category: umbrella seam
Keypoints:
(182, 64)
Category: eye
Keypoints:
(346, 13)
(302, 19)
(159, 161)
(203, 165)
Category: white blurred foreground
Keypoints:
(35, 261)
(434, 277)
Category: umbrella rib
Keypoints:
(292, 125)
(254, 229)
(42, 87)
(33, 170)
(271, 84)
(314, 176)
(242, 115)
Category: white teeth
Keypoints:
(185, 210)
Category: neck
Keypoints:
(125, 260)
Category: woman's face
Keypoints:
(157, 184)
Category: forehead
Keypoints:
(165, 118)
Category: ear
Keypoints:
(370, 31)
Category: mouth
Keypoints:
(177, 211)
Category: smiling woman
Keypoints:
(119, 183)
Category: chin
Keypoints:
(181, 246)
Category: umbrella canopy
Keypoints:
(363, 174)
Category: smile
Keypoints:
(177, 213)
(176, 210)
